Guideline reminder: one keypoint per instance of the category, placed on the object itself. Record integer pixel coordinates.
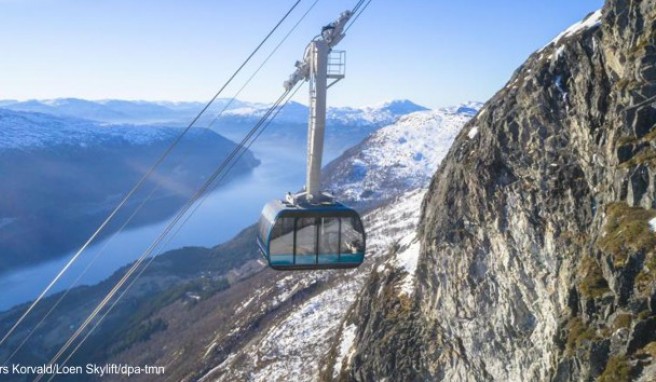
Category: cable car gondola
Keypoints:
(311, 236)
(311, 230)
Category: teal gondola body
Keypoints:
(309, 236)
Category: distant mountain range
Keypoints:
(111, 111)
(378, 115)
(121, 111)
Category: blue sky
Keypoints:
(434, 52)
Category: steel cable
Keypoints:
(164, 233)
(168, 229)
(357, 16)
(150, 260)
(129, 219)
(237, 152)
(142, 180)
(248, 145)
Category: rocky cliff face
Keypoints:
(536, 259)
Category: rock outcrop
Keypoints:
(537, 259)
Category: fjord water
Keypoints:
(223, 213)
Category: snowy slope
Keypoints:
(301, 333)
(590, 21)
(398, 157)
(291, 348)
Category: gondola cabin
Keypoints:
(311, 236)
(310, 230)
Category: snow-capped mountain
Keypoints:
(110, 111)
(346, 126)
(294, 112)
(398, 157)
(381, 114)
(123, 111)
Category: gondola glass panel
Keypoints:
(306, 241)
(329, 240)
(282, 242)
(352, 240)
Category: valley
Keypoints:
(196, 278)
(507, 240)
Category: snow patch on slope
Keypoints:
(289, 350)
(407, 258)
(387, 225)
(346, 348)
(473, 132)
(593, 20)
(306, 328)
